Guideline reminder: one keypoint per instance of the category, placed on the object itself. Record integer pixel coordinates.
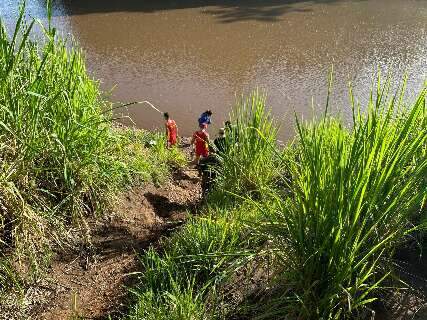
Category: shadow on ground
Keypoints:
(163, 207)
(95, 275)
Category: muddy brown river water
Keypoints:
(186, 56)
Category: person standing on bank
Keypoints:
(201, 142)
(171, 130)
(220, 142)
(208, 169)
(205, 118)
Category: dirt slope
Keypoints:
(92, 283)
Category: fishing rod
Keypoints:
(132, 103)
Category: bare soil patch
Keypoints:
(92, 283)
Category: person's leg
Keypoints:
(205, 153)
(205, 184)
(196, 159)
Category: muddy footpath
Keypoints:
(92, 282)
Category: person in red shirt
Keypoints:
(201, 142)
(171, 130)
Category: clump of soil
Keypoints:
(92, 282)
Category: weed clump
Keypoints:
(250, 162)
(61, 157)
(354, 195)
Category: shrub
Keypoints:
(354, 194)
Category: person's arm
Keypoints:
(193, 139)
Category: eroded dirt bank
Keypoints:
(92, 282)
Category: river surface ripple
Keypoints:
(186, 56)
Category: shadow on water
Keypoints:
(225, 11)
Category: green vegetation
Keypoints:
(61, 157)
(250, 161)
(310, 229)
(195, 261)
(320, 219)
(354, 195)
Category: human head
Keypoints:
(203, 126)
(209, 112)
(166, 116)
(221, 132)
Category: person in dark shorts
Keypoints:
(231, 131)
(208, 170)
(219, 142)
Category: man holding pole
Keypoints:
(171, 130)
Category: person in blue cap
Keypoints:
(205, 118)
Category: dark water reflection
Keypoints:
(186, 56)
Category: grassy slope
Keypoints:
(61, 158)
(327, 212)
(327, 215)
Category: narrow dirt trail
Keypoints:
(93, 284)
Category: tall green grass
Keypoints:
(355, 193)
(137, 156)
(61, 158)
(352, 196)
(250, 162)
(52, 133)
(176, 304)
(182, 279)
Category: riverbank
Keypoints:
(64, 161)
(307, 232)
(311, 230)
(91, 280)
